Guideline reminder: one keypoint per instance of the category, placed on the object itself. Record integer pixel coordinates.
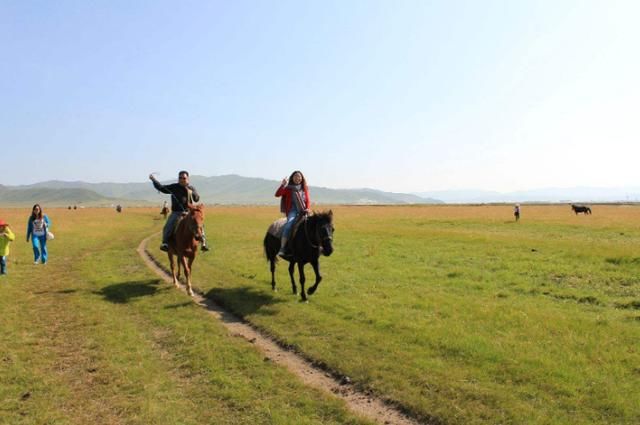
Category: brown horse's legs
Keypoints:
(186, 266)
(172, 264)
(293, 279)
(189, 287)
(316, 269)
(302, 280)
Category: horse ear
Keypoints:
(330, 213)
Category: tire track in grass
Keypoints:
(363, 404)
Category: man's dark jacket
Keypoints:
(179, 195)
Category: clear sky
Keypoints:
(396, 95)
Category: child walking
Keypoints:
(295, 200)
(6, 236)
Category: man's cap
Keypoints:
(3, 223)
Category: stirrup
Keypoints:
(284, 254)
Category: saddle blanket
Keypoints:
(277, 227)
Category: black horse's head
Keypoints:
(324, 231)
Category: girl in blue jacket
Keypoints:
(37, 228)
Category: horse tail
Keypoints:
(265, 245)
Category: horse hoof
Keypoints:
(190, 292)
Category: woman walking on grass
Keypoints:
(37, 228)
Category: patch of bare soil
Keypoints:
(362, 404)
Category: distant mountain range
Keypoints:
(228, 189)
(556, 195)
(16, 197)
(234, 189)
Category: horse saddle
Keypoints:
(277, 227)
(176, 224)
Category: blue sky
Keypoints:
(405, 96)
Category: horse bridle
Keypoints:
(193, 227)
(306, 233)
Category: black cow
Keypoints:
(580, 209)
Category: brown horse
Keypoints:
(164, 212)
(184, 243)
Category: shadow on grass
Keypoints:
(244, 301)
(121, 293)
(62, 292)
(174, 306)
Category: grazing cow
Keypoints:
(580, 209)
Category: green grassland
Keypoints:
(456, 313)
(95, 337)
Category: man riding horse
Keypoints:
(182, 194)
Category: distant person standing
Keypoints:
(37, 228)
(6, 236)
(182, 194)
(516, 212)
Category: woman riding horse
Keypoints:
(294, 203)
(313, 237)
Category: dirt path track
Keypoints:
(362, 404)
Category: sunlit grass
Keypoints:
(95, 337)
(457, 312)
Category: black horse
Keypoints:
(314, 236)
(580, 209)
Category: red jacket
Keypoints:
(287, 199)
